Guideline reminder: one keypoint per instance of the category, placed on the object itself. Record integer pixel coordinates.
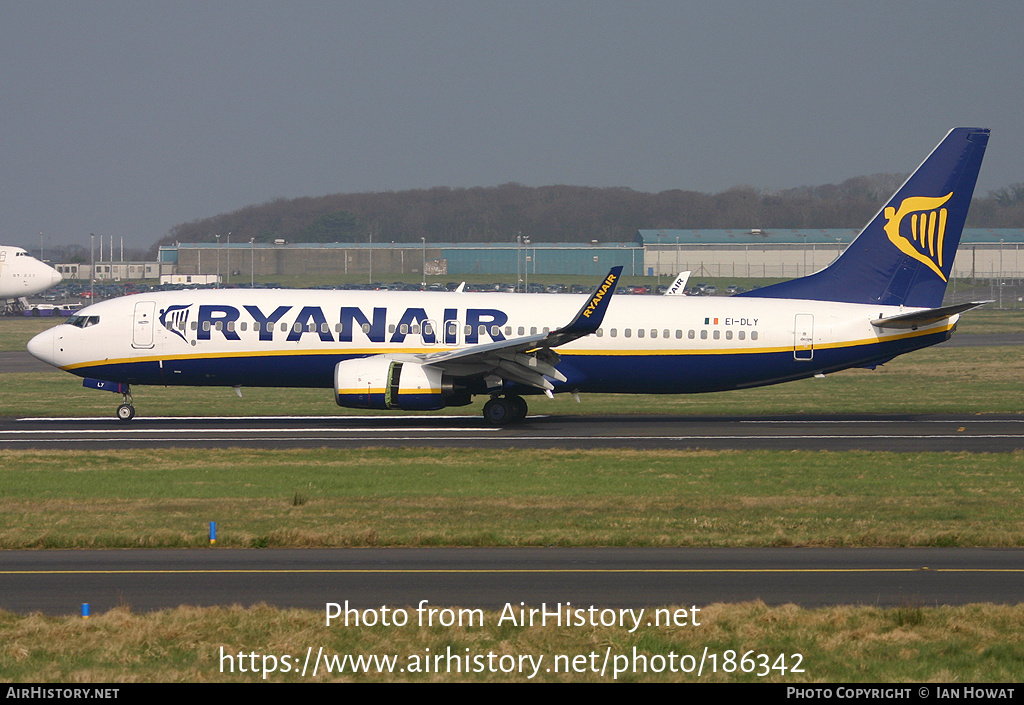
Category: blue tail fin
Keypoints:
(905, 254)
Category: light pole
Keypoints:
(92, 266)
(252, 262)
(229, 257)
(526, 266)
(217, 283)
(1000, 273)
(519, 257)
(424, 261)
(661, 245)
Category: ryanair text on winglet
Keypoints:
(608, 283)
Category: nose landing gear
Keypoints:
(126, 412)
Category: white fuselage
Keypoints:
(23, 275)
(646, 344)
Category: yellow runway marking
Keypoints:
(509, 570)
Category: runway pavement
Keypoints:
(908, 433)
(58, 582)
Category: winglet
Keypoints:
(589, 318)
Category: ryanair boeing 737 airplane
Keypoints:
(396, 350)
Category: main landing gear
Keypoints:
(502, 411)
(126, 412)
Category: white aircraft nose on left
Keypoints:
(41, 347)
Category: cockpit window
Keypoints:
(83, 321)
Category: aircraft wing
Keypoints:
(528, 360)
(916, 319)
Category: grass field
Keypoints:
(456, 497)
(949, 645)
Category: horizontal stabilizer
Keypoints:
(924, 318)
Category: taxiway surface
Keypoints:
(57, 582)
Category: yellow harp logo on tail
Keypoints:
(926, 229)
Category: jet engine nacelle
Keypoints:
(381, 382)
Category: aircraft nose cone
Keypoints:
(41, 347)
(55, 277)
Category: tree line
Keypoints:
(565, 213)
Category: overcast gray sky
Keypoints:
(127, 118)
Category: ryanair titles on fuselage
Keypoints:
(222, 319)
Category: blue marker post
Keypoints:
(85, 610)
(213, 532)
